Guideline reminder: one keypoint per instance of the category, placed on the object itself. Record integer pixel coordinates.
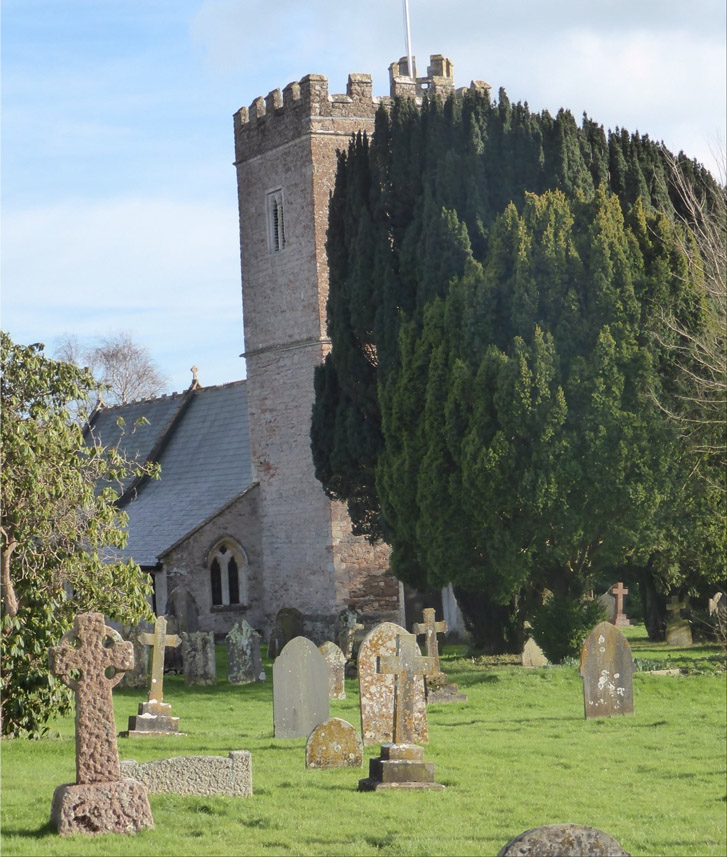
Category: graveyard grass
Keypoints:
(516, 755)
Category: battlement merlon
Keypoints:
(284, 116)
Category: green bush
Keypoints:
(562, 623)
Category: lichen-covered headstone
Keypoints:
(91, 660)
(376, 690)
(300, 689)
(563, 840)
(334, 744)
(533, 655)
(288, 625)
(138, 676)
(336, 663)
(198, 657)
(244, 662)
(607, 670)
(678, 629)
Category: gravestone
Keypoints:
(155, 716)
(376, 690)
(91, 660)
(620, 619)
(437, 686)
(288, 625)
(182, 615)
(300, 689)
(244, 661)
(563, 840)
(608, 602)
(607, 670)
(198, 657)
(533, 656)
(138, 676)
(346, 626)
(678, 629)
(336, 663)
(401, 764)
(334, 744)
(195, 775)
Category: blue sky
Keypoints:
(119, 208)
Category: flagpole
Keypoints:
(410, 65)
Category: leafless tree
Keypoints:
(124, 370)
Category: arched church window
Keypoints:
(276, 220)
(228, 579)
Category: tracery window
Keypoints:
(228, 579)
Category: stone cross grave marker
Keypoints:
(154, 715)
(430, 628)
(607, 670)
(678, 630)
(300, 689)
(347, 625)
(376, 690)
(619, 590)
(91, 659)
(336, 664)
(407, 665)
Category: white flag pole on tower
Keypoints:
(410, 66)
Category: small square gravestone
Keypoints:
(244, 661)
(198, 657)
(607, 670)
(336, 663)
(300, 689)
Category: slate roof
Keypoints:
(201, 440)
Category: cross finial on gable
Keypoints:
(195, 379)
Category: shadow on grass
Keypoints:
(23, 833)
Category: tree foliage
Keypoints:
(59, 529)
(507, 291)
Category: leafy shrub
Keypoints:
(561, 624)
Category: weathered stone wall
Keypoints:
(186, 565)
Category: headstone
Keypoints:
(300, 689)
(195, 775)
(533, 656)
(401, 764)
(334, 744)
(155, 716)
(138, 676)
(607, 670)
(91, 660)
(437, 686)
(182, 615)
(346, 626)
(563, 840)
(198, 657)
(173, 662)
(336, 663)
(619, 590)
(376, 690)
(244, 661)
(678, 629)
(288, 625)
(608, 602)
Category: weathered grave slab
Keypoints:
(300, 689)
(678, 629)
(244, 661)
(91, 660)
(563, 840)
(607, 670)
(198, 656)
(334, 744)
(533, 656)
(195, 775)
(376, 690)
(289, 624)
(336, 663)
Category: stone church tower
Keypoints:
(285, 156)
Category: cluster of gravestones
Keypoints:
(396, 684)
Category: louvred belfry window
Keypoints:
(276, 220)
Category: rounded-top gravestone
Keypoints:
(563, 840)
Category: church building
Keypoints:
(238, 526)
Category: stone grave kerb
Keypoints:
(91, 659)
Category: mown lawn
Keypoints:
(516, 755)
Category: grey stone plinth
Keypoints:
(121, 806)
(400, 766)
(563, 840)
(195, 775)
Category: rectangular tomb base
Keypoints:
(120, 806)
(400, 766)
